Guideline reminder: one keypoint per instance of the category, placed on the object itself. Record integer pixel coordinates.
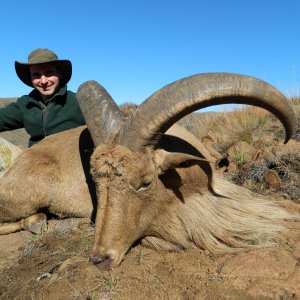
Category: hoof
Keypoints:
(37, 227)
(36, 224)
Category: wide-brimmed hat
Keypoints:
(43, 56)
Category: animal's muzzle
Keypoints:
(102, 261)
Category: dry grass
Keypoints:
(262, 133)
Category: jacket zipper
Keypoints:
(45, 113)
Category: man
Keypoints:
(49, 108)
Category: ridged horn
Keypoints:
(102, 115)
(171, 103)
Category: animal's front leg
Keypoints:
(35, 224)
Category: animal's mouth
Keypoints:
(105, 262)
(109, 257)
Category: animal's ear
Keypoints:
(171, 160)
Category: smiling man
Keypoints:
(49, 108)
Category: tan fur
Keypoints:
(47, 176)
(139, 195)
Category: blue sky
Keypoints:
(134, 48)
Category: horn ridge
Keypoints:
(102, 115)
(174, 101)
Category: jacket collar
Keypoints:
(35, 96)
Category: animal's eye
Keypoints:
(144, 185)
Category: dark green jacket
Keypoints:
(61, 113)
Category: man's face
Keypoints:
(45, 78)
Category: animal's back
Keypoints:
(52, 175)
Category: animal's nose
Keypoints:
(101, 261)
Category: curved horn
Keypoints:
(171, 103)
(102, 115)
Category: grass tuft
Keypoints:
(251, 138)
